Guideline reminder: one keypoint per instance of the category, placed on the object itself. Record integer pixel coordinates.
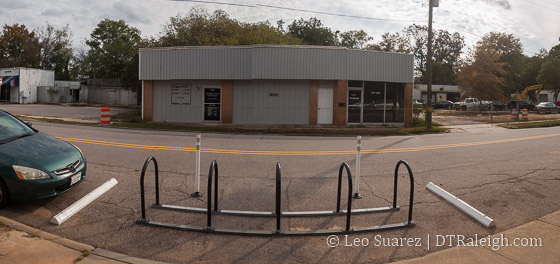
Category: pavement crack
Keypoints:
(129, 218)
(288, 200)
(509, 180)
(548, 223)
(373, 193)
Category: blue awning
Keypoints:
(10, 80)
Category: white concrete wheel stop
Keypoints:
(83, 202)
(465, 207)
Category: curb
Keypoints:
(47, 236)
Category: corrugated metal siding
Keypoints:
(274, 62)
(165, 111)
(253, 103)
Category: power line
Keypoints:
(464, 31)
(546, 7)
(331, 14)
(300, 10)
(554, 3)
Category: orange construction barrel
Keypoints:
(105, 115)
(514, 114)
(524, 114)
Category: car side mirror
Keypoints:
(28, 123)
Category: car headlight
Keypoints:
(25, 173)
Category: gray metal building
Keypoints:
(271, 84)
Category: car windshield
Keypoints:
(12, 129)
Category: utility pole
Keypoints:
(429, 65)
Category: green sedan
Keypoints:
(34, 165)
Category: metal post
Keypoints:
(278, 197)
(429, 68)
(357, 194)
(197, 193)
(491, 114)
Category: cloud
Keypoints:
(503, 3)
(133, 13)
(53, 12)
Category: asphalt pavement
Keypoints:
(476, 164)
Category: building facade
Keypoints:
(269, 84)
(19, 85)
(439, 93)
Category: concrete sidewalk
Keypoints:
(23, 244)
(546, 228)
(20, 243)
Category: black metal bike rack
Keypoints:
(213, 174)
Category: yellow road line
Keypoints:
(303, 153)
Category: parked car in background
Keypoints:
(443, 104)
(467, 104)
(523, 104)
(497, 105)
(35, 165)
(417, 104)
(547, 107)
(379, 104)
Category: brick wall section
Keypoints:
(313, 102)
(148, 98)
(340, 96)
(408, 122)
(227, 102)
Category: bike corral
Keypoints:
(212, 208)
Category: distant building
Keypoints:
(19, 85)
(275, 84)
(61, 92)
(439, 93)
(108, 91)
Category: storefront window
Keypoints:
(382, 102)
(395, 103)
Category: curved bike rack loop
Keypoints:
(213, 170)
(142, 199)
(411, 202)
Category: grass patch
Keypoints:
(133, 120)
(2, 225)
(128, 117)
(422, 130)
(548, 123)
(85, 253)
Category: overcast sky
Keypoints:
(535, 22)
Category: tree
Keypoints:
(447, 51)
(549, 75)
(56, 51)
(510, 50)
(531, 69)
(112, 48)
(481, 75)
(392, 43)
(311, 32)
(354, 39)
(199, 28)
(555, 51)
(19, 47)
(264, 33)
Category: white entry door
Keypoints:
(325, 106)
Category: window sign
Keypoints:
(181, 94)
